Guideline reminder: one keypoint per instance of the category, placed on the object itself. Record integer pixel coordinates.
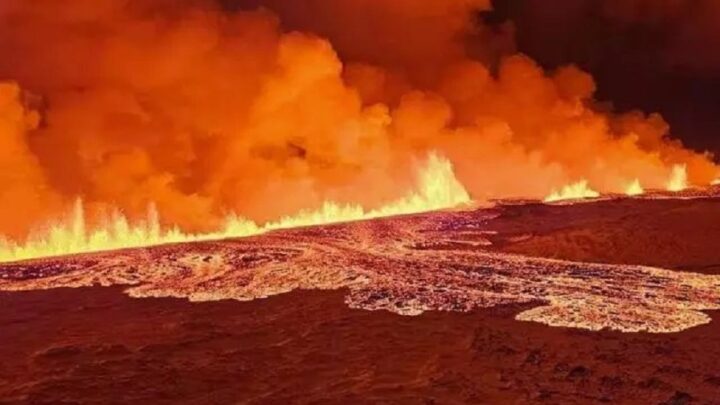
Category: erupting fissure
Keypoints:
(576, 191)
(437, 188)
(581, 190)
(635, 188)
(266, 107)
(679, 179)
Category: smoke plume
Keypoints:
(264, 108)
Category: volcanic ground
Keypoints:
(604, 301)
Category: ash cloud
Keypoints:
(267, 107)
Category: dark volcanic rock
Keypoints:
(98, 345)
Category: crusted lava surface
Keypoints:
(628, 287)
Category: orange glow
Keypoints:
(678, 179)
(577, 191)
(635, 188)
(199, 111)
(437, 188)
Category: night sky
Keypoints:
(659, 56)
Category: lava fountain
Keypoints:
(437, 188)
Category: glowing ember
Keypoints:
(678, 179)
(578, 191)
(437, 189)
(635, 188)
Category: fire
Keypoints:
(577, 191)
(678, 179)
(635, 188)
(437, 188)
(715, 182)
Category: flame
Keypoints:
(577, 191)
(678, 179)
(635, 188)
(437, 189)
(715, 182)
(320, 104)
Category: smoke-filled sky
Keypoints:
(657, 55)
(266, 107)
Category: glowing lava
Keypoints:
(635, 188)
(406, 265)
(678, 179)
(577, 191)
(437, 189)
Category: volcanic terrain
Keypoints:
(609, 300)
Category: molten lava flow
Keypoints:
(635, 188)
(437, 189)
(406, 265)
(678, 179)
(577, 191)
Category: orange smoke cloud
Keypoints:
(204, 110)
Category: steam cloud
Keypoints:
(267, 107)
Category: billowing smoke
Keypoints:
(267, 107)
(654, 54)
